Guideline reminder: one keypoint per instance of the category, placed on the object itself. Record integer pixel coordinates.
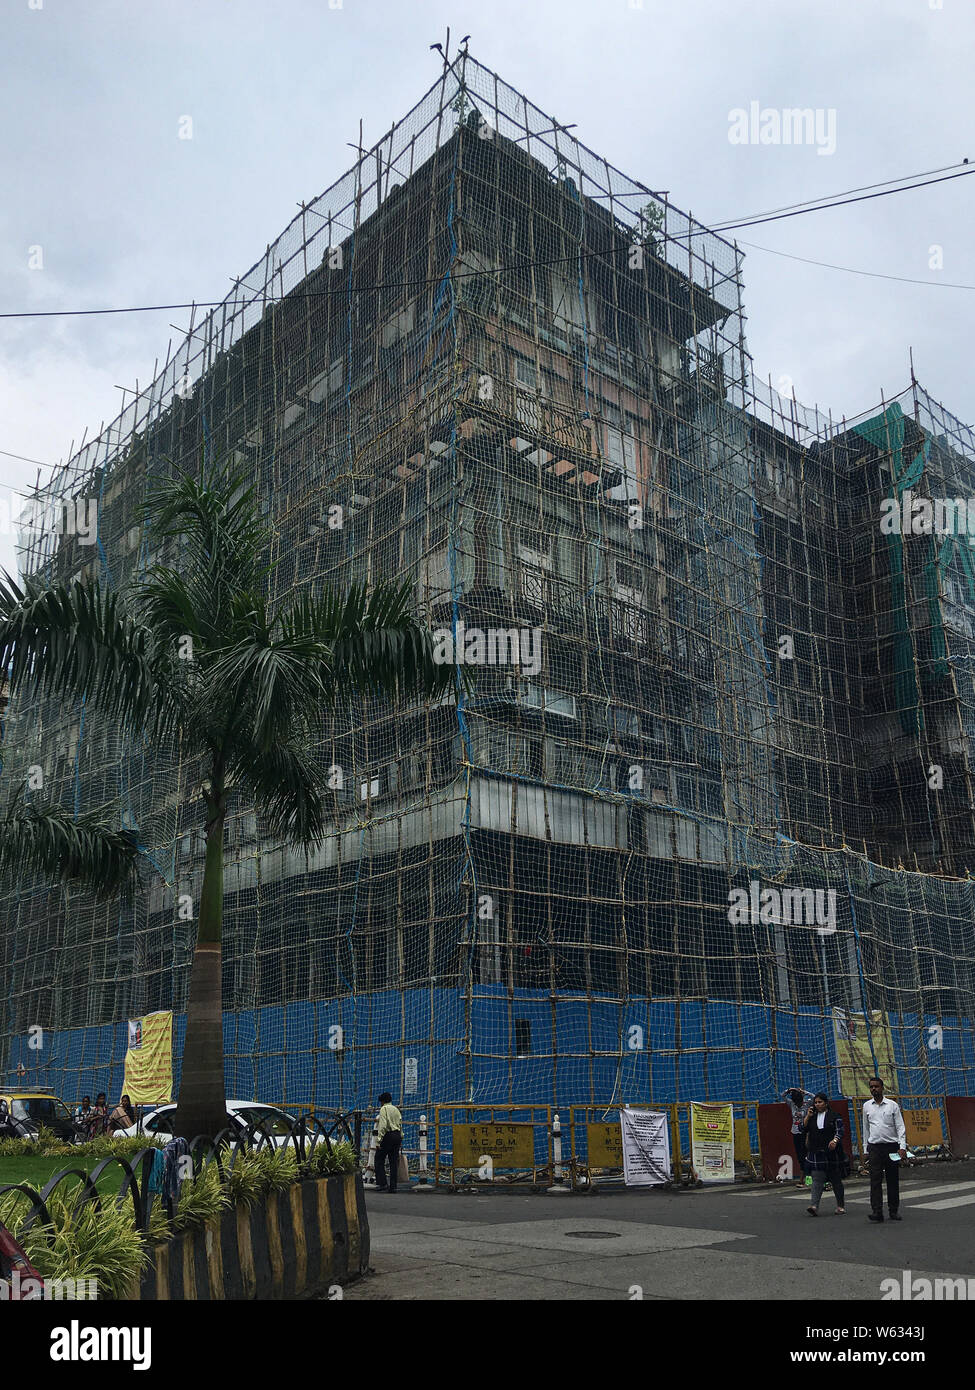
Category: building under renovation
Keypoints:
(703, 809)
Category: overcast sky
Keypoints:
(123, 211)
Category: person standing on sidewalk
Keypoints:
(884, 1135)
(798, 1101)
(825, 1155)
(389, 1133)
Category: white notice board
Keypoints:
(646, 1147)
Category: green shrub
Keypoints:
(244, 1180)
(202, 1198)
(88, 1243)
(46, 1145)
(325, 1163)
(103, 1244)
(17, 1148)
(14, 1208)
(120, 1145)
(278, 1168)
(159, 1228)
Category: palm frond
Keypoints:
(374, 643)
(276, 683)
(216, 519)
(287, 788)
(76, 639)
(166, 605)
(39, 837)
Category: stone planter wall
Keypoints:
(287, 1245)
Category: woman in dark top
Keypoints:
(825, 1157)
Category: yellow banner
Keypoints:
(149, 1059)
(854, 1057)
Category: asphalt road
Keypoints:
(741, 1243)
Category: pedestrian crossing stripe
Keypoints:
(915, 1195)
(945, 1205)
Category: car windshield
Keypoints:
(161, 1123)
(40, 1109)
(270, 1121)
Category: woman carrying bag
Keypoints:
(825, 1156)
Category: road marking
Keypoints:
(786, 1192)
(781, 1189)
(910, 1194)
(944, 1206)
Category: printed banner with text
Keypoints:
(149, 1059)
(862, 1052)
(646, 1147)
(713, 1142)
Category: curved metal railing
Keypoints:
(306, 1135)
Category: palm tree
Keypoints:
(203, 654)
(39, 837)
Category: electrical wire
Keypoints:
(25, 459)
(839, 202)
(798, 211)
(855, 270)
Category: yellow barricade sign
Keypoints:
(604, 1145)
(507, 1145)
(923, 1127)
(743, 1142)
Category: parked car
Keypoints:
(240, 1113)
(31, 1109)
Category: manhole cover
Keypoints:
(594, 1235)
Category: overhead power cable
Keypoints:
(801, 211)
(809, 202)
(855, 270)
(482, 274)
(25, 459)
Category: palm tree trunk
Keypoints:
(202, 1105)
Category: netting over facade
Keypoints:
(489, 361)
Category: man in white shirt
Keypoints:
(389, 1133)
(883, 1136)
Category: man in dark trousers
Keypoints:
(884, 1135)
(389, 1132)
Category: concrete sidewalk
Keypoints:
(739, 1243)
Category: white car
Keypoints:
(240, 1113)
